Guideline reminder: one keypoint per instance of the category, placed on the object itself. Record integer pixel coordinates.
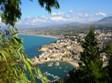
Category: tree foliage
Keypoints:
(91, 70)
(108, 68)
(91, 58)
(15, 66)
(108, 49)
(90, 46)
(48, 4)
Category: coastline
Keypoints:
(39, 35)
(60, 51)
(32, 43)
(74, 63)
(48, 36)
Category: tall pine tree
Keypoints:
(108, 68)
(90, 57)
(91, 70)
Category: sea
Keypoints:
(54, 70)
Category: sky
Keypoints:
(82, 11)
(69, 11)
(33, 8)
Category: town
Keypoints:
(68, 48)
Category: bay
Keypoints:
(54, 70)
(32, 43)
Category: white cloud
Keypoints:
(101, 14)
(86, 14)
(68, 17)
(54, 14)
(57, 13)
(57, 18)
(33, 20)
(71, 11)
(60, 17)
(83, 14)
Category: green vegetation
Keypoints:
(91, 69)
(15, 66)
(108, 68)
(91, 58)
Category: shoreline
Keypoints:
(46, 36)
(73, 63)
(60, 51)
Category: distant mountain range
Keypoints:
(105, 22)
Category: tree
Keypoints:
(91, 58)
(90, 46)
(90, 70)
(108, 50)
(15, 66)
(108, 68)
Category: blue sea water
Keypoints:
(31, 45)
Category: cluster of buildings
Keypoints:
(68, 48)
(104, 36)
(63, 50)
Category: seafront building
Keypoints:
(68, 48)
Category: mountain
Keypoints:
(105, 22)
(40, 23)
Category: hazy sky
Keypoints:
(83, 11)
(70, 11)
(31, 9)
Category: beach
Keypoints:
(41, 35)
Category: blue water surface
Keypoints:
(31, 46)
(33, 43)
